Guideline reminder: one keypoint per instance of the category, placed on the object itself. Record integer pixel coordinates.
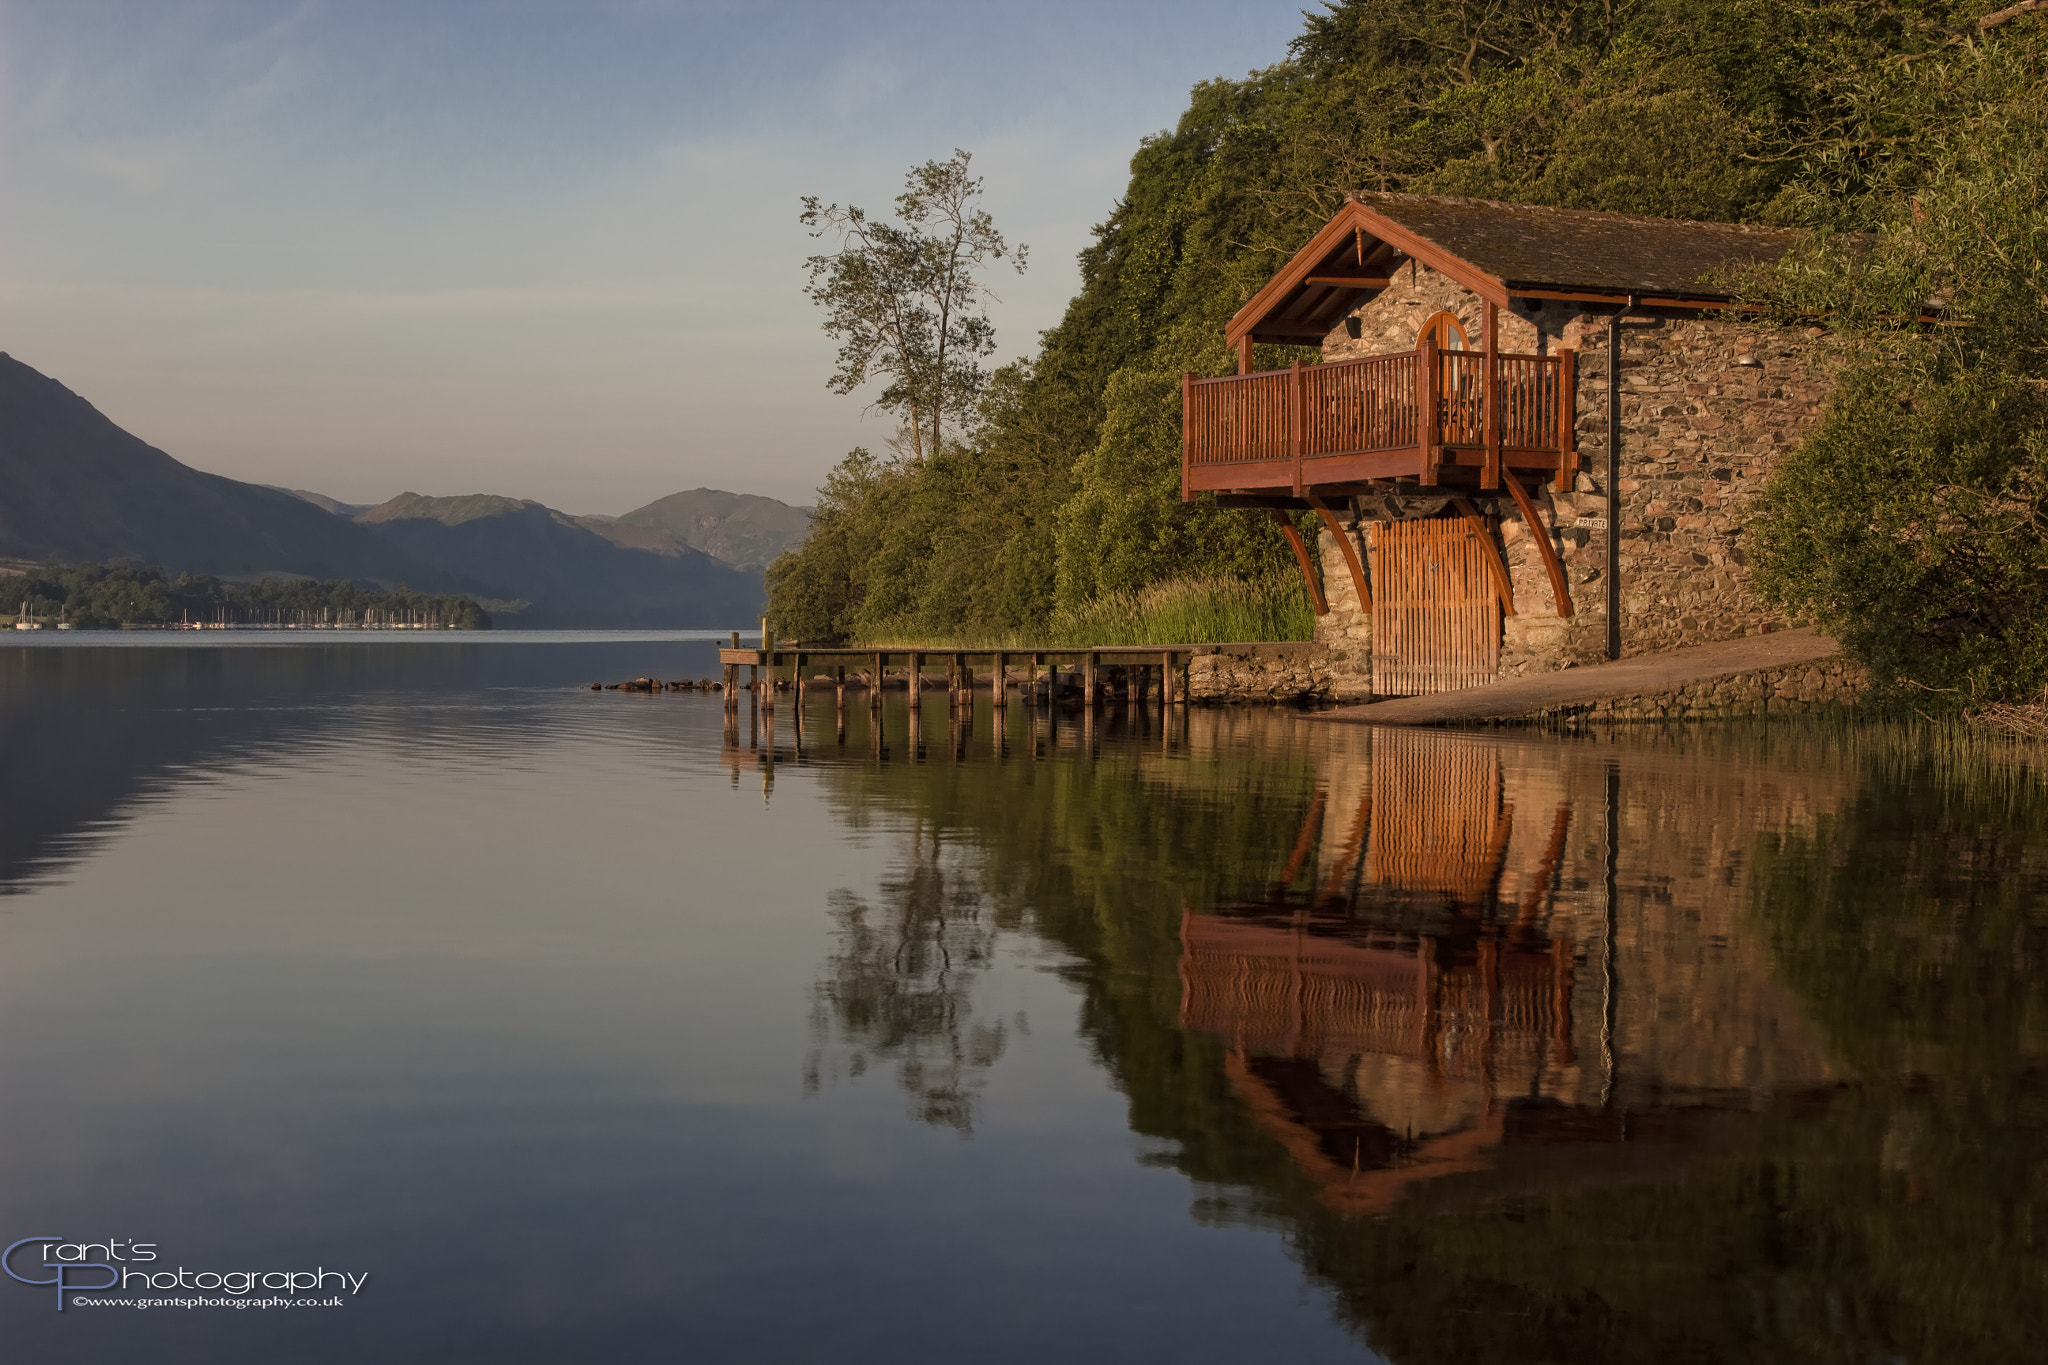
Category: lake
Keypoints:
(589, 1030)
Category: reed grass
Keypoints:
(2027, 721)
(1177, 611)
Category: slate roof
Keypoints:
(1574, 249)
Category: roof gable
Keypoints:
(1498, 251)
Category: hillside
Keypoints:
(1918, 123)
(739, 528)
(326, 504)
(74, 486)
(512, 550)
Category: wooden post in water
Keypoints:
(966, 685)
(1000, 681)
(1089, 669)
(768, 659)
(731, 689)
(914, 741)
(875, 688)
(796, 689)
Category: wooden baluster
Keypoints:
(1425, 407)
(1295, 415)
(1489, 476)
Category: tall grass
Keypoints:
(1178, 611)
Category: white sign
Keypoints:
(1592, 523)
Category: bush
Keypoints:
(1178, 611)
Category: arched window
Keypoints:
(1446, 331)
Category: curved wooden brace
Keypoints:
(1350, 553)
(1495, 565)
(1558, 586)
(1308, 570)
(1546, 875)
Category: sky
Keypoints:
(543, 248)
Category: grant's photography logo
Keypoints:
(80, 1270)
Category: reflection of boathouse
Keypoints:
(1440, 980)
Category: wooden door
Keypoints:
(1435, 614)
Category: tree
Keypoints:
(905, 302)
(1913, 523)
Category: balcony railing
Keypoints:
(1422, 414)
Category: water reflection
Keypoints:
(88, 733)
(1703, 1045)
(1711, 1045)
(900, 987)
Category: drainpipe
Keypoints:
(1614, 479)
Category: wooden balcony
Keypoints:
(1432, 417)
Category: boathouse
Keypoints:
(1490, 504)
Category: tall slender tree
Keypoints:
(906, 301)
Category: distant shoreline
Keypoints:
(154, 638)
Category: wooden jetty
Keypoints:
(1142, 669)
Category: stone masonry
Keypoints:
(1709, 403)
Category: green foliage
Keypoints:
(1913, 524)
(905, 302)
(1176, 611)
(1679, 154)
(108, 596)
(1187, 611)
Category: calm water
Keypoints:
(591, 1033)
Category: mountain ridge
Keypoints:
(75, 487)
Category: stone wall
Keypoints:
(1225, 674)
(1816, 686)
(1708, 405)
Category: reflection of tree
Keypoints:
(900, 987)
(1897, 1216)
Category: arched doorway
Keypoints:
(1445, 330)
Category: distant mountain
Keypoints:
(739, 528)
(74, 486)
(331, 506)
(510, 551)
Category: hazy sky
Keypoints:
(545, 248)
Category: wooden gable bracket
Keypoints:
(1495, 565)
(1308, 570)
(1350, 553)
(1559, 587)
(1357, 222)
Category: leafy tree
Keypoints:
(905, 302)
(1913, 523)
